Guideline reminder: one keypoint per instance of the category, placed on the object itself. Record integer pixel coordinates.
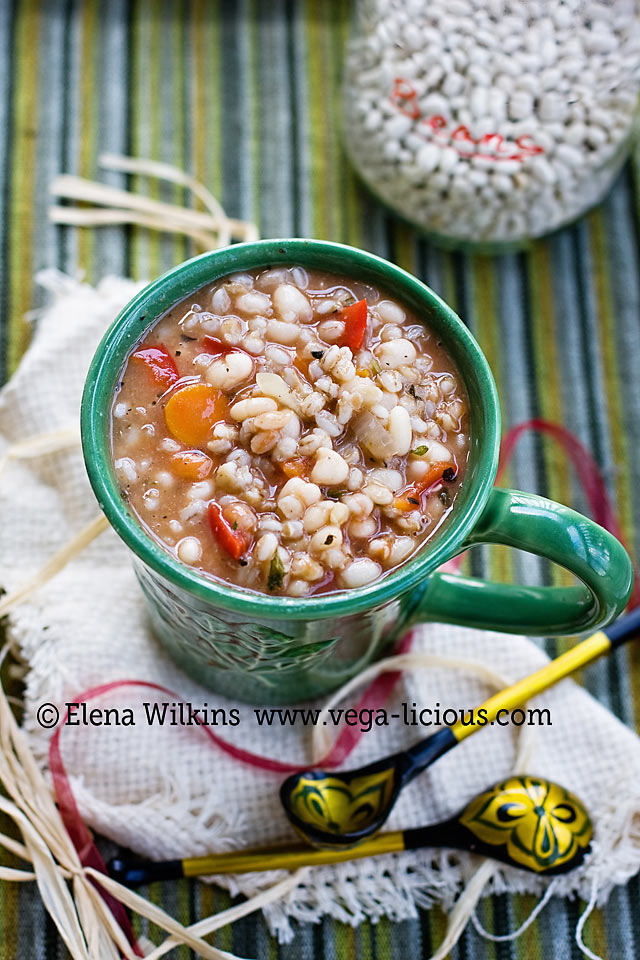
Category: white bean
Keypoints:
(360, 505)
(170, 445)
(316, 516)
(360, 572)
(253, 303)
(401, 547)
(329, 536)
(229, 371)
(388, 478)
(390, 312)
(127, 468)
(400, 429)
(339, 514)
(221, 301)
(189, 550)
(280, 332)
(330, 468)
(292, 529)
(252, 407)
(200, 491)
(266, 547)
(291, 508)
(362, 529)
(378, 494)
(275, 420)
(396, 353)
(291, 305)
(308, 493)
(331, 330)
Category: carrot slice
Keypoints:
(296, 467)
(192, 411)
(160, 364)
(302, 365)
(191, 465)
(410, 497)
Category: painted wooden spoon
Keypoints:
(524, 821)
(340, 810)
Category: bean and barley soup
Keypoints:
(290, 431)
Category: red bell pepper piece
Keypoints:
(160, 363)
(233, 542)
(354, 318)
(219, 349)
(216, 347)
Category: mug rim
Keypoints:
(157, 297)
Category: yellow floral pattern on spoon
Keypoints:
(540, 823)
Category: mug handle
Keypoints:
(548, 529)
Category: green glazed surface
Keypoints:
(280, 649)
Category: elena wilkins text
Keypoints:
(183, 714)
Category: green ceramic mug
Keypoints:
(279, 649)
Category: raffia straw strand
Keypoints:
(25, 784)
(41, 444)
(71, 216)
(204, 927)
(59, 560)
(71, 187)
(33, 804)
(241, 229)
(14, 846)
(467, 902)
(321, 739)
(84, 921)
(162, 919)
(506, 937)
(109, 925)
(8, 873)
(53, 889)
(586, 913)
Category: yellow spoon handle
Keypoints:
(514, 696)
(288, 857)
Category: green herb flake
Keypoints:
(276, 572)
(419, 451)
(335, 494)
(375, 368)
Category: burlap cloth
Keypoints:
(167, 791)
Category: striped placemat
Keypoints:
(245, 95)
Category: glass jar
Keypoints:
(491, 122)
